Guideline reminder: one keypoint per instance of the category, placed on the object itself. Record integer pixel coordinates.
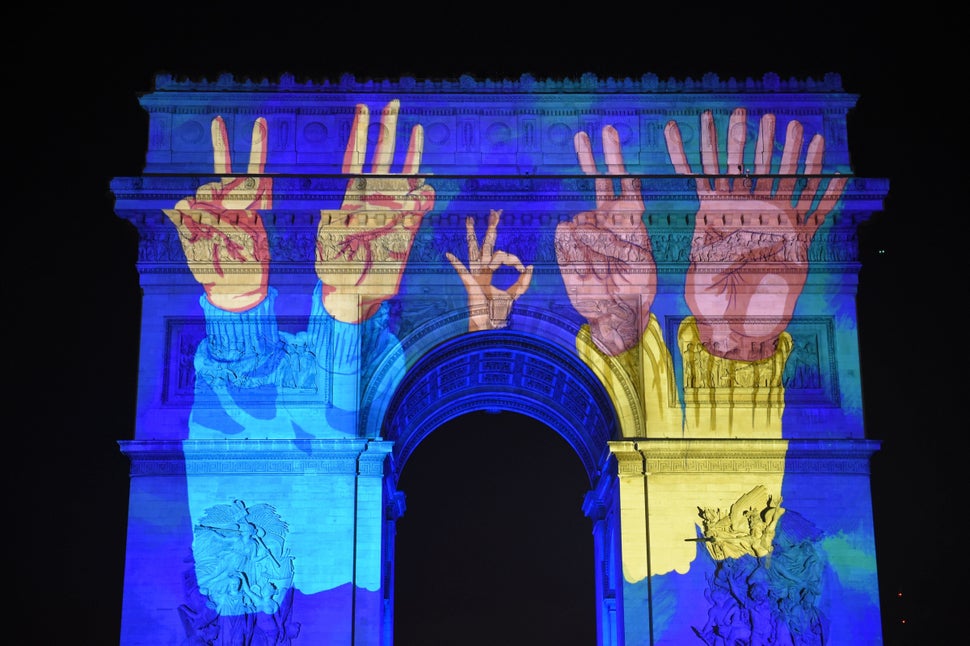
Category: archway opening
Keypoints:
(493, 547)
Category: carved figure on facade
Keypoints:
(805, 371)
(769, 599)
(748, 527)
(240, 589)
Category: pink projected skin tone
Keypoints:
(605, 256)
(749, 253)
(221, 224)
(378, 220)
(489, 306)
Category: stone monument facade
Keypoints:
(663, 272)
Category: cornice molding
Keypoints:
(652, 457)
(283, 457)
(830, 82)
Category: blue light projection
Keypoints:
(695, 264)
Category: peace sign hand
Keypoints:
(605, 257)
(221, 231)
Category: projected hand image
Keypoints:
(488, 306)
(749, 253)
(605, 256)
(220, 226)
(377, 221)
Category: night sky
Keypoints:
(74, 302)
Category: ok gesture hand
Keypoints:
(488, 306)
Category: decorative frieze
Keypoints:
(589, 82)
(652, 457)
(287, 457)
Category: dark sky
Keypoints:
(75, 307)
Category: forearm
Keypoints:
(240, 348)
(728, 397)
(644, 372)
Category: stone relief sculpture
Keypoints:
(240, 591)
(241, 559)
(747, 528)
(772, 598)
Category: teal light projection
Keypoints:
(687, 250)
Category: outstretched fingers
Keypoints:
(831, 196)
(491, 234)
(222, 163)
(764, 147)
(709, 154)
(763, 152)
(794, 138)
(383, 155)
(675, 148)
(474, 254)
(833, 191)
(814, 155)
(736, 140)
(257, 152)
(678, 158)
(257, 165)
(813, 166)
(384, 152)
(584, 153)
(612, 151)
(353, 162)
(412, 160)
(825, 204)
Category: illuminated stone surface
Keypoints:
(726, 455)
